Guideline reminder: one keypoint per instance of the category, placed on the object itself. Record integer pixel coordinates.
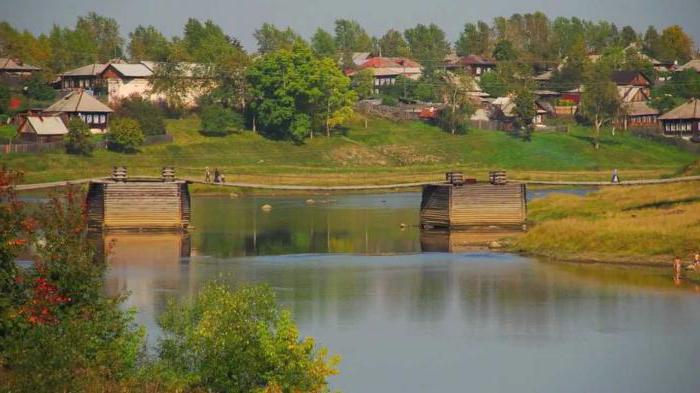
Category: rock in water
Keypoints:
(310, 201)
(266, 208)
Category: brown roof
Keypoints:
(626, 77)
(47, 125)
(639, 108)
(78, 101)
(689, 110)
(691, 65)
(7, 64)
(87, 70)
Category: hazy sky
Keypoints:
(240, 18)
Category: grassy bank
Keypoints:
(385, 152)
(645, 225)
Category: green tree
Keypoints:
(474, 39)
(271, 39)
(505, 51)
(363, 83)
(571, 73)
(683, 86)
(351, 37)
(628, 36)
(600, 101)
(239, 341)
(525, 110)
(79, 138)
(392, 44)
(675, 45)
(71, 48)
(323, 43)
(652, 42)
(220, 121)
(37, 88)
(104, 33)
(148, 43)
(454, 116)
(124, 135)
(148, 115)
(428, 45)
(5, 96)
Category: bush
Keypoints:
(239, 341)
(124, 135)
(38, 89)
(78, 140)
(4, 98)
(390, 101)
(148, 115)
(219, 121)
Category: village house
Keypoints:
(82, 104)
(474, 65)
(504, 111)
(386, 70)
(691, 65)
(638, 114)
(85, 77)
(14, 71)
(632, 86)
(683, 121)
(42, 129)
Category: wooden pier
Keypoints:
(461, 204)
(138, 203)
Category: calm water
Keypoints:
(406, 320)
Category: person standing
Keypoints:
(615, 177)
(207, 175)
(217, 176)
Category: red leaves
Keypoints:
(46, 298)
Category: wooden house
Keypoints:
(386, 70)
(474, 65)
(85, 77)
(82, 104)
(683, 121)
(14, 72)
(41, 129)
(639, 114)
(124, 80)
(691, 65)
(632, 86)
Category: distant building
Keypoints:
(504, 111)
(84, 105)
(682, 121)
(14, 72)
(632, 86)
(691, 65)
(386, 70)
(639, 114)
(41, 129)
(85, 77)
(474, 65)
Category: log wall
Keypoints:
(139, 205)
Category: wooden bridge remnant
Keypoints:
(138, 203)
(462, 203)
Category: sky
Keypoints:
(240, 18)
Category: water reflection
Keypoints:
(461, 241)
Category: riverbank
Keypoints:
(383, 153)
(646, 225)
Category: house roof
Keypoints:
(627, 77)
(639, 108)
(388, 66)
(628, 93)
(360, 57)
(8, 64)
(691, 65)
(138, 70)
(78, 101)
(689, 110)
(87, 70)
(47, 125)
(469, 60)
(545, 76)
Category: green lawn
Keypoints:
(385, 151)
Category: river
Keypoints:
(406, 316)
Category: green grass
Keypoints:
(643, 225)
(385, 152)
(7, 132)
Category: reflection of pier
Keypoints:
(460, 241)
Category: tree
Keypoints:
(571, 74)
(363, 83)
(628, 36)
(458, 107)
(392, 44)
(239, 341)
(351, 37)
(600, 101)
(683, 86)
(104, 33)
(124, 135)
(5, 96)
(147, 43)
(474, 39)
(294, 93)
(271, 39)
(652, 42)
(323, 43)
(504, 51)
(428, 45)
(78, 140)
(220, 121)
(525, 110)
(148, 115)
(675, 45)
(37, 88)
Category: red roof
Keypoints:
(473, 60)
(387, 62)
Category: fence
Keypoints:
(39, 147)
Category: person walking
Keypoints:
(217, 176)
(615, 177)
(207, 175)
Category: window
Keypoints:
(88, 119)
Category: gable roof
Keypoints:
(627, 77)
(87, 70)
(689, 110)
(691, 65)
(138, 70)
(639, 108)
(78, 101)
(8, 64)
(47, 125)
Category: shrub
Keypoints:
(219, 121)
(239, 341)
(124, 135)
(38, 89)
(79, 137)
(390, 101)
(4, 98)
(148, 115)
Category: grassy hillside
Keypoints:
(384, 152)
(650, 224)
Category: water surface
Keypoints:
(407, 320)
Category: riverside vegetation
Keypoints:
(59, 332)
